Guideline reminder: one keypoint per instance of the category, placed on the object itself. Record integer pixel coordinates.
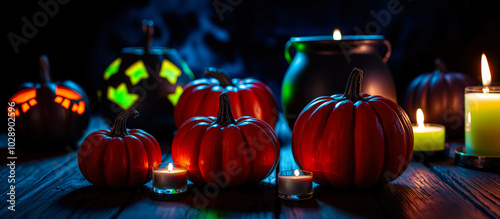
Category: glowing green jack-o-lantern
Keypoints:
(149, 79)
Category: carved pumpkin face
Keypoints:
(51, 113)
(152, 83)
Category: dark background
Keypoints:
(83, 37)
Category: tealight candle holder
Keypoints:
(295, 184)
(169, 178)
(429, 140)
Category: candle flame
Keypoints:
(296, 172)
(337, 35)
(485, 72)
(170, 167)
(420, 118)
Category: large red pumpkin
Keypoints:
(353, 139)
(249, 97)
(119, 157)
(440, 94)
(222, 149)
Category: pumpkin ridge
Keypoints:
(247, 147)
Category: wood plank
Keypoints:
(253, 201)
(51, 185)
(479, 187)
(419, 193)
(327, 202)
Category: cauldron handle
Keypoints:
(290, 43)
(388, 50)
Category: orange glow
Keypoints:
(81, 107)
(25, 107)
(68, 93)
(33, 102)
(296, 172)
(337, 35)
(24, 95)
(17, 112)
(420, 119)
(74, 108)
(58, 99)
(485, 71)
(65, 103)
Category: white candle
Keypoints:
(169, 179)
(295, 185)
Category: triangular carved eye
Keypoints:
(169, 71)
(67, 93)
(112, 68)
(136, 72)
(23, 95)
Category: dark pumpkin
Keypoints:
(245, 150)
(440, 95)
(249, 97)
(119, 157)
(353, 139)
(148, 79)
(49, 115)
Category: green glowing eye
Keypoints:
(136, 72)
(112, 68)
(169, 71)
(174, 97)
(121, 96)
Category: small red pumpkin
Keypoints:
(49, 115)
(222, 149)
(353, 140)
(440, 94)
(249, 97)
(119, 157)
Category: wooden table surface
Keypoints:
(51, 186)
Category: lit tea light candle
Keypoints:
(482, 116)
(169, 178)
(295, 185)
(427, 137)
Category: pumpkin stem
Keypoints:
(440, 66)
(44, 69)
(220, 75)
(119, 127)
(353, 87)
(148, 30)
(225, 116)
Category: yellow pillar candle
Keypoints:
(427, 137)
(482, 116)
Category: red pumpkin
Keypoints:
(49, 115)
(222, 149)
(249, 97)
(353, 140)
(440, 94)
(119, 157)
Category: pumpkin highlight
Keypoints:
(120, 157)
(234, 151)
(353, 139)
